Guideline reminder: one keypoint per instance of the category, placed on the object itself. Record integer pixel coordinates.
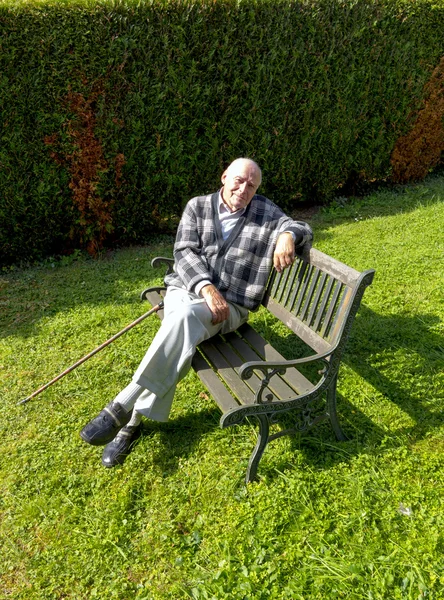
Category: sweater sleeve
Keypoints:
(302, 232)
(189, 261)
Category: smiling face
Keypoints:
(240, 182)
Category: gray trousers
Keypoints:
(186, 323)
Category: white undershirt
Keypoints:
(227, 218)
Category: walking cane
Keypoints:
(85, 358)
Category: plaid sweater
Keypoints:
(239, 267)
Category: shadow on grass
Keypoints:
(406, 347)
(29, 296)
(180, 436)
(319, 448)
(397, 355)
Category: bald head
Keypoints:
(240, 183)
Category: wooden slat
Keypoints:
(210, 379)
(236, 361)
(331, 309)
(242, 392)
(333, 267)
(306, 334)
(277, 385)
(276, 280)
(326, 297)
(282, 285)
(267, 352)
(294, 271)
(316, 300)
(302, 291)
(300, 279)
(340, 314)
(309, 296)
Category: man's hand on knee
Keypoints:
(216, 303)
(284, 252)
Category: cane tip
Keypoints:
(22, 401)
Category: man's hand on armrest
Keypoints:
(284, 252)
(216, 303)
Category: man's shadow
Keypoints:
(179, 437)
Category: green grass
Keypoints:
(361, 519)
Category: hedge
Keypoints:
(115, 113)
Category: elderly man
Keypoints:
(226, 245)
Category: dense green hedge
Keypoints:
(114, 113)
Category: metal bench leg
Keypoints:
(261, 444)
(331, 409)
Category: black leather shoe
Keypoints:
(118, 449)
(106, 425)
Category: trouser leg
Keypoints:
(186, 323)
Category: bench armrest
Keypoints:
(246, 370)
(270, 369)
(163, 260)
(158, 262)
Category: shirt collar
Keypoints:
(223, 208)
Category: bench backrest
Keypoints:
(317, 298)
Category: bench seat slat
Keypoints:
(260, 350)
(240, 389)
(210, 379)
(267, 352)
(280, 388)
(236, 361)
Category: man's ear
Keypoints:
(224, 176)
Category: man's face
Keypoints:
(240, 182)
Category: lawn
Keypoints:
(361, 519)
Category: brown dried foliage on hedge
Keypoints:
(421, 149)
(86, 163)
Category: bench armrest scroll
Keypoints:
(158, 262)
(162, 260)
(246, 370)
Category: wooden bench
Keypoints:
(317, 299)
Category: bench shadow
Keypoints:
(409, 340)
(402, 336)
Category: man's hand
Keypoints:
(216, 303)
(283, 256)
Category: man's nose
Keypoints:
(243, 187)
